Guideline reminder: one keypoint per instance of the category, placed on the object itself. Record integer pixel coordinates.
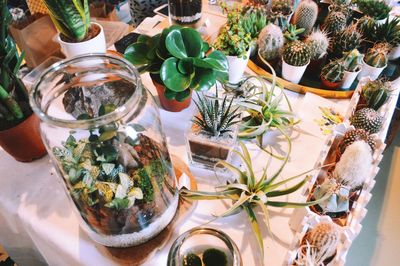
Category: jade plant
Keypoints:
(373, 8)
(177, 58)
(14, 101)
(71, 18)
(376, 93)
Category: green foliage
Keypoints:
(333, 71)
(14, 102)
(144, 183)
(296, 53)
(376, 93)
(253, 22)
(305, 15)
(215, 118)
(352, 60)
(177, 58)
(373, 8)
(71, 18)
(377, 55)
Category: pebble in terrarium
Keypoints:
(185, 12)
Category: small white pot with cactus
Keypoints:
(352, 62)
(375, 61)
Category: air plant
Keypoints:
(248, 191)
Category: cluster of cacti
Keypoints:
(352, 60)
(334, 22)
(367, 119)
(296, 53)
(354, 135)
(305, 15)
(376, 9)
(270, 42)
(376, 93)
(377, 55)
(324, 239)
(283, 7)
(333, 71)
(318, 41)
(346, 40)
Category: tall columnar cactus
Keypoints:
(352, 60)
(377, 55)
(334, 22)
(270, 42)
(319, 42)
(333, 71)
(346, 40)
(296, 53)
(305, 15)
(324, 238)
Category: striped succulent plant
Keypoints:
(215, 117)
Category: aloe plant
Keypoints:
(249, 191)
(14, 101)
(71, 18)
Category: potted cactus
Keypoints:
(177, 64)
(334, 22)
(318, 41)
(270, 43)
(305, 16)
(375, 93)
(254, 20)
(352, 62)
(19, 128)
(77, 35)
(281, 13)
(386, 32)
(375, 61)
(296, 56)
(332, 75)
(345, 41)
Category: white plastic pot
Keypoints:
(237, 67)
(370, 71)
(349, 78)
(293, 73)
(394, 53)
(94, 45)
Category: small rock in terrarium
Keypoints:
(214, 257)
(191, 259)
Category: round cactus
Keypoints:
(324, 238)
(367, 119)
(346, 40)
(305, 15)
(377, 55)
(334, 22)
(296, 53)
(352, 60)
(319, 42)
(333, 71)
(354, 135)
(270, 42)
(376, 93)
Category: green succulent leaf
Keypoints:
(136, 53)
(203, 79)
(172, 78)
(183, 95)
(185, 66)
(184, 42)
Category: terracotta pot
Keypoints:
(23, 142)
(330, 85)
(171, 105)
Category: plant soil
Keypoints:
(93, 31)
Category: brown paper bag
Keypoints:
(36, 39)
(104, 12)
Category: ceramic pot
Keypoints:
(23, 142)
(326, 84)
(94, 45)
(349, 78)
(293, 73)
(372, 72)
(237, 66)
(394, 53)
(171, 105)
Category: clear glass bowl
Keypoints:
(198, 240)
(102, 130)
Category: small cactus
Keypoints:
(376, 93)
(333, 71)
(324, 239)
(352, 60)
(305, 15)
(346, 40)
(367, 119)
(334, 22)
(296, 53)
(270, 42)
(283, 7)
(377, 55)
(354, 135)
(319, 42)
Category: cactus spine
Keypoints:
(319, 42)
(352, 60)
(270, 42)
(296, 53)
(377, 55)
(305, 15)
(324, 239)
(333, 71)
(334, 22)
(346, 40)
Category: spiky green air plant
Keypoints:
(71, 17)
(249, 191)
(215, 118)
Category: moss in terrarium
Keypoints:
(191, 259)
(214, 257)
(144, 183)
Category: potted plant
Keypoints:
(318, 41)
(177, 62)
(77, 35)
(352, 62)
(296, 56)
(378, 10)
(375, 93)
(270, 43)
(254, 20)
(212, 135)
(332, 75)
(305, 16)
(19, 128)
(375, 61)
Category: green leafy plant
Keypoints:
(376, 93)
(14, 101)
(373, 8)
(177, 58)
(215, 117)
(249, 191)
(71, 18)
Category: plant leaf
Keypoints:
(172, 78)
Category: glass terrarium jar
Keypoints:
(102, 130)
(185, 12)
